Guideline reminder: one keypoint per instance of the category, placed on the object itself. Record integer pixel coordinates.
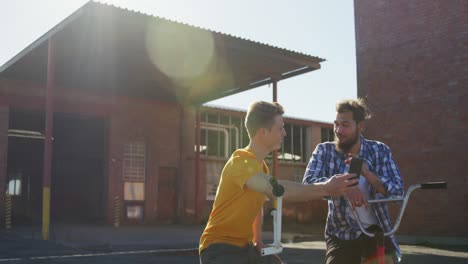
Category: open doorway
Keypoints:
(78, 185)
(24, 165)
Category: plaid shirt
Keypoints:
(326, 161)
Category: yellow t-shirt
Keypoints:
(235, 206)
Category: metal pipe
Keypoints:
(25, 134)
(226, 127)
(275, 152)
(49, 115)
(226, 137)
(390, 199)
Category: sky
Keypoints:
(315, 27)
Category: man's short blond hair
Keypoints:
(261, 114)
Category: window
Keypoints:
(134, 163)
(327, 134)
(134, 176)
(294, 148)
(220, 135)
(134, 212)
(214, 142)
(14, 184)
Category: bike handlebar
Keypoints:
(278, 189)
(434, 185)
(405, 198)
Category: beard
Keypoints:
(345, 146)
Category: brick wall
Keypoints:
(166, 128)
(412, 67)
(158, 125)
(188, 169)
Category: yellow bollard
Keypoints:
(116, 211)
(45, 213)
(8, 210)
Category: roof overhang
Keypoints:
(109, 49)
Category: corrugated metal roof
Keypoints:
(206, 29)
(102, 46)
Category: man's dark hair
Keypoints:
(261, 115)
(358, 107)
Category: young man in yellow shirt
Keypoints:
(233, 231)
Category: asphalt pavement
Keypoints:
(176, 244)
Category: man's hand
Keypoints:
(371, 178)
(258, 246)
(340, 184)
(357, 198)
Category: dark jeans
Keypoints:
(361, 250)
(230, 254)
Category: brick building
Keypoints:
(123, 91)
(412, 67)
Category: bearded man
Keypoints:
(378, 178)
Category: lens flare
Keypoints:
(180, 52)
(189, 58)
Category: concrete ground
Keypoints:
(176, 244)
